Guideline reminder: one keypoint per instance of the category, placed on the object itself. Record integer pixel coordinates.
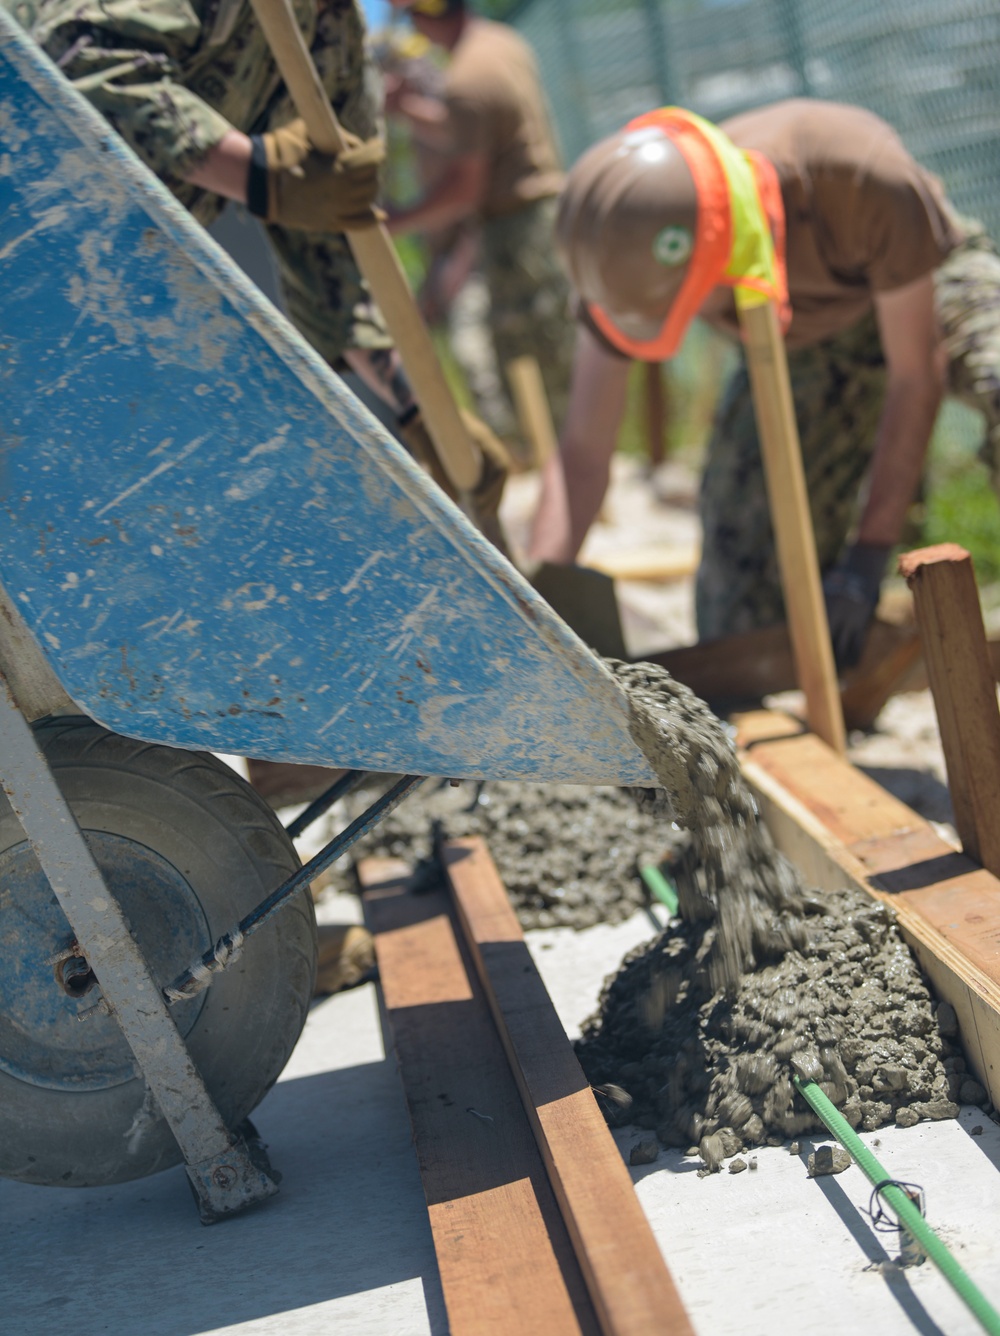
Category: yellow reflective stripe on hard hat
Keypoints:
(752, 270)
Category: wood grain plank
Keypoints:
(953, 638)
(506, 1261)
(632, 1291)
(841, 828)
(791, 520)
(852, 806)
(746, 667)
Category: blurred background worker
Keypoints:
(195, 92)
(452, 295)
(504, 171)
(894, 300)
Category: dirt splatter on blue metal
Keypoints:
(214, 544)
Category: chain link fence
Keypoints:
(931, 70)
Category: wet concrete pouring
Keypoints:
(569, 856)
(698, 1034)
(757, 979)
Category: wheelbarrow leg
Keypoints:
(223, 1175)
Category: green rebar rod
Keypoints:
(906, 1211)
(659, 886)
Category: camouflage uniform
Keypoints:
(838, 387)
(173, 76)
(530, 296)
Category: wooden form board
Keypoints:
(965, 696)
(657, 563)
(531, 403)
(506, 1262)
(632, 1291)
(841, 828)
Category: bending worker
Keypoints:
(891, 301)
(193, 89)
(505, 173)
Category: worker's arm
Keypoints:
(136, 74)
(427, 115)
(458, 194)
(225, 167)
(447, 274)
(574, 480)
(916, 364)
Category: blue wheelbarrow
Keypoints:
(208, 546)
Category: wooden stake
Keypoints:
(793, 533)
(965, 698)
(533, 412)
(375, 254)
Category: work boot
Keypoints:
(346, 957)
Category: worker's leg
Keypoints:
(968, 307)
(530, 297)
(468, 323)
(838, 388)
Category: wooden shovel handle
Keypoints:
(792, 522)
(375, 254)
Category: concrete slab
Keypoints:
(344, 1247)
(768, 1250)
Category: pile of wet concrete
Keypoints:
(700, 1032)
(569, 856)
(712, 1068)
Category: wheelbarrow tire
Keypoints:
(188, 848)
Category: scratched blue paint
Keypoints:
(214, 544)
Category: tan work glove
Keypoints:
(294, 185)
(496, 467)
(485, 496)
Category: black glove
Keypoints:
(851, 590)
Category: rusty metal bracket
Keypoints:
(225, 1176)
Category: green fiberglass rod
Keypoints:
(906, 1212)
(659, 886)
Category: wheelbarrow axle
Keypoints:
(229, 947)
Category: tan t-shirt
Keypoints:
(860, 215)
(494, 97)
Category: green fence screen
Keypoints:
(931, 69)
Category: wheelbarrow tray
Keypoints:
(213, 543)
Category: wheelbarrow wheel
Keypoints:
(187, 848)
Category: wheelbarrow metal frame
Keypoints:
(222, 1173)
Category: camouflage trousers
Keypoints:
(530, 296)
(838, 387)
